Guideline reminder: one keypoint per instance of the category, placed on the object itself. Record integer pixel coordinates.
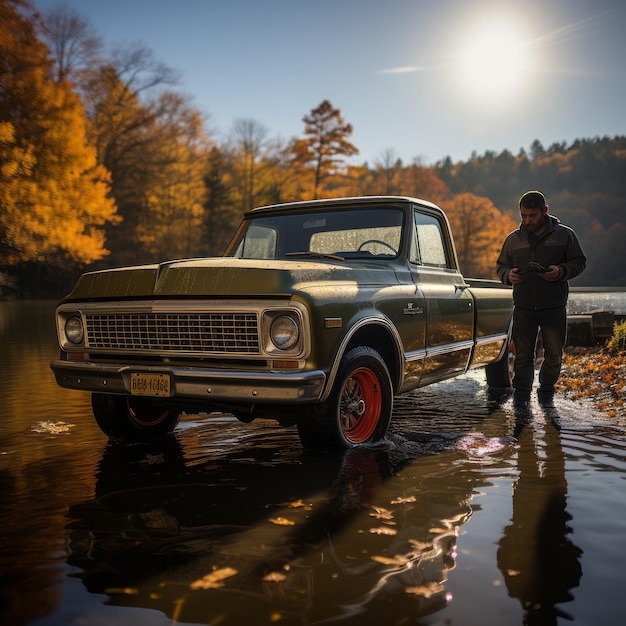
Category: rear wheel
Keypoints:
(358, 409)
(132, 419)
(500, 374)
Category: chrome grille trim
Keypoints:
(215, 333)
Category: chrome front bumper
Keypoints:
(196, 383)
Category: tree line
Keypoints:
(585, 185)
(103, 163)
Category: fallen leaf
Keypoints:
(404, 500)
(214, 579)
(383, 530)
(427, 591)
(298, 504)
(381, 513)
(282, 521)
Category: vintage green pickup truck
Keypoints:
(318, 314)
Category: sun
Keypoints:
(493, 61)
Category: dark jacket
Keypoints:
(558, 245)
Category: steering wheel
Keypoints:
(378, 241)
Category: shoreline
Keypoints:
(597, 375)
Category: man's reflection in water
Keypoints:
(539, 562)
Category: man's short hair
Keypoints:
(532, 200)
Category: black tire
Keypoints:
(358, 409)
(127, 418)
(244, 418)
(500, 374)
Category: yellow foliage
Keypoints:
(53, 196)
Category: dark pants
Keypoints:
(526, 325)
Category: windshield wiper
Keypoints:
(316, 255)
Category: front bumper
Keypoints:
(196, 383)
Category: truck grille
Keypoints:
(213, 333)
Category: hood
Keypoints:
(225, 277)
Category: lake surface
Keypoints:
(589, 299)
(467, 514)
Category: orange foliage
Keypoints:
(479, 230)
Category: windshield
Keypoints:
(339, 234)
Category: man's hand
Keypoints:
(515, 276)
(553, 273)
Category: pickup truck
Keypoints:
(317, 315)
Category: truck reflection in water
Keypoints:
(321, 538)
(256, 531)
(539, 562)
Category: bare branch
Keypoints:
(139, 70)
(72, 40)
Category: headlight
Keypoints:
(284, 332)
(74, 330)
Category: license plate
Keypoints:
(150, 385)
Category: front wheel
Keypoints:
(128, 418)
(358, 409)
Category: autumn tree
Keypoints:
(387, 168)
(249, 163)
(422, 182)
(287, 178)
(326, 142)
(220, 217)
(147, 141)
(358, 180)
(479, 230)
(170, 226)
(53, 195)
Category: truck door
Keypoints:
(449, 303)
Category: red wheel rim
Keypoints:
(146, 413)
(360, 405)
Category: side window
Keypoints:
(429, 248)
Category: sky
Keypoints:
(420, 80)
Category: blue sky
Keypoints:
(425, 79)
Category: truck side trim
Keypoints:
(457, 346)
(489, 349)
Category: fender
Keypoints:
(345, 342)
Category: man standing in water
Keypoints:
(538, 259)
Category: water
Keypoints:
(589, 299)
(467, 514)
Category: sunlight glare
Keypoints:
(494, 62)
